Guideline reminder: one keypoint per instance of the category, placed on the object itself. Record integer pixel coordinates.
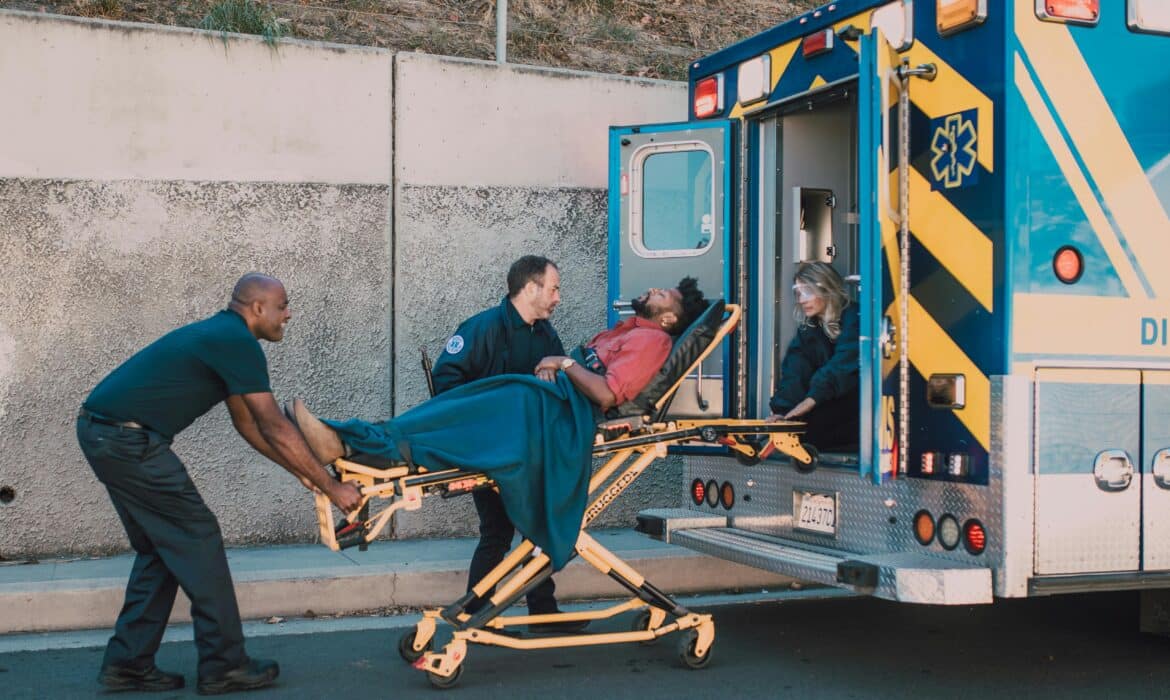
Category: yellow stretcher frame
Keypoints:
(632, 445)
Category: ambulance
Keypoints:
(992, 180)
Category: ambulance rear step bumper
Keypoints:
(902, 576)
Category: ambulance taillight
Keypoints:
(727, 495)
(698, 492)
(1071, 11)
(974, 537)
(817, 44)
(708, 97)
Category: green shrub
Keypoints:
(244, 17)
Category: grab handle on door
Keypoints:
(1113, 470)
(1161, 468)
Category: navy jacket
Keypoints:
(483, 347)
(817, 367)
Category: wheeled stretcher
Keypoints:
(631, 442)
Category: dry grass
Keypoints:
(651, 38)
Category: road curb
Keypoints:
(288, 590)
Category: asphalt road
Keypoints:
(1067, 647)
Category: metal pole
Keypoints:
(501, 31)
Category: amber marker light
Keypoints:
(1071, 11)
(974, 537)
(698, 492)
(924, 527)
(1068, 265)
(956, 15)
(727, 495)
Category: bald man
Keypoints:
(125, 429)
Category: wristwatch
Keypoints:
(567, 363)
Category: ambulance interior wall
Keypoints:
(146, 168)
(816, 153)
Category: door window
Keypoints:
(673, 198)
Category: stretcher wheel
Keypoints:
(444, 682)
(406, 646)
(641, 623)
(752, 460)
(812, 463)
(686, 651)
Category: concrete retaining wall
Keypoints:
(143, 169)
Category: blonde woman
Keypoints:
(819, 374)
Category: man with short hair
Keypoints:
(509, 338)
(532, 435)
(125, 428)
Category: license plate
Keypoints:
(815, 512)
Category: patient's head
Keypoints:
(534, 286)
(673, 309)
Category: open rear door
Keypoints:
(878, 247)
(670, 194)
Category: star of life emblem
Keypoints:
(953, 151)
(454, 345)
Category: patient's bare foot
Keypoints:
(322, 439)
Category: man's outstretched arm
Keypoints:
(594, 386)
(259, 421)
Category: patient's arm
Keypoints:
(259, 421)
(592, 385)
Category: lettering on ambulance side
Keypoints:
(1154, 331)
(953, 153)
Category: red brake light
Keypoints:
(816, 44)
(708, 97)
(974, 537)
(698, 492)
(1080, 11)
(1068, 264)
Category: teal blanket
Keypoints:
(533, 437)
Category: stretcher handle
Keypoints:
(426, 365)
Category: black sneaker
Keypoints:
(257, 673)
(563, 627)
(150, 679)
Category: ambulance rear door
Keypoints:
(670, 197)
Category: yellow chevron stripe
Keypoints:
(950, 92)
(1077, 182)
(932, 351)
(1098, 139)
(951, 238)
(817, 82)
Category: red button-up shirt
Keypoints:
(632, 351)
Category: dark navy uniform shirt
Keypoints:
(494, 341)
(816, 366)
(180, 376)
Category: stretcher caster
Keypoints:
(406, 646)
(754, 459)
(811, 466)
(688, 651)
(641, 623)
(444, 682)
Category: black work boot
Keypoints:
(257, 673)
(150, 679)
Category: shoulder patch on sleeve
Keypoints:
(454, 345)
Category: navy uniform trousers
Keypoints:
(178, 542)
(495, 539)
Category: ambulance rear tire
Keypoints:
(445, 682)
(686, 651)
(814, 460)
(406, 646)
